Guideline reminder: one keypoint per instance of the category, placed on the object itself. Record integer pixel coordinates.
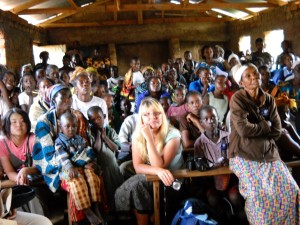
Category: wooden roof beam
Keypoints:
(140, 13)
(47, 11)
(170, 7)
(26, 5)
(278, 2)
(134, 22)
(80, 9)
(118, 4)
(73, 4)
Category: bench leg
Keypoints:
(156, 199)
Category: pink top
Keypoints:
(17, 151)
(177, 110)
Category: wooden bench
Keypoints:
(183, 173)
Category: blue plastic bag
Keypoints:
(185, 216)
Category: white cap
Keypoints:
(221, 72)
(233, 56)
(295, 64)
(237, 72)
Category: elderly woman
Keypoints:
(156, 149)
(46, 132)
(264, 180)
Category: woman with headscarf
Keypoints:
(46, 132)
(264, 180)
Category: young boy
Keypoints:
(213, 144)
(107, 144)
(203, 84)
(77, 171)
(189, 124)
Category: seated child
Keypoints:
(125, 108)
(289, 141)
(113, 116)
(106, 144)
(11, 92)
(213, 144)
(218, 100)
(27, 84)
(77, 171)
(64, 77)
(189, 124)
(203, 84)
(266, 85)
(165, 102)
(178, 107)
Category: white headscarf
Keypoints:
(237, 72)
(233, 56)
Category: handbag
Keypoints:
(21, 194)
(185, 216)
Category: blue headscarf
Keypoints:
(52, 92)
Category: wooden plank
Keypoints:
(118, 4)
(170, 7)
(156, 201)
(184, 173)
(80, 9)
(278, 2)
(73, 4)
(47, 11)
(134, 22)
(140, 13)
(26, 5)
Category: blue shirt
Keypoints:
(197, 86)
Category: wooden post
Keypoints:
(112, 54)
(174, 48)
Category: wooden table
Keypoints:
(187, 174)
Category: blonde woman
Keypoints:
(156, 149)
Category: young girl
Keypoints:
(64, 76)
(189, 123)
(217, 99)
(10, 81)
(27, 84)
(178, 108)
(165, 103)
(106, 144)
(156, 149)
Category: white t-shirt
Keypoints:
(111, 83)
(3, 108)
(83, 107)
(138, 78)
(24, 98)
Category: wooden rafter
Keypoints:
(170, 7)
(26, 5)
(134, 22)
(278, 2)
(80, 9)
(185, 3)
(118, 4)
(47, 11)
(73, 4)
(140, 13)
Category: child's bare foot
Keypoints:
(92, 217)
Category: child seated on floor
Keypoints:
(75, 160)
(213, 144)
(165, 102)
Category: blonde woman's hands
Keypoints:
(21, 178)
(146, 131)
(166, 176)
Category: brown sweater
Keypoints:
(251, 136)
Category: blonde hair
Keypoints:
(146, 105)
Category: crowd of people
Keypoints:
(94, 132)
